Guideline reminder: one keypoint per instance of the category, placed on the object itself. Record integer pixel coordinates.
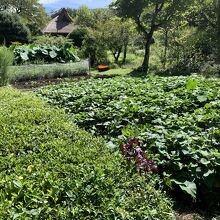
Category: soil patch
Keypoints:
(32, 84)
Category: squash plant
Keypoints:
(46, 53)
(177, 119)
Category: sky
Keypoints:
(52, 5)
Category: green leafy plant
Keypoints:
(48, 54)
(6, 58)
(177, 118)
(51, 169)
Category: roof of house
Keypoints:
(61, 23)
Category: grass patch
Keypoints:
(51, 169)
(6, 58)
(118, 71)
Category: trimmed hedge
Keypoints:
(50, 169)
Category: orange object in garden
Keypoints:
(102, 68)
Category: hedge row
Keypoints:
(50, 169)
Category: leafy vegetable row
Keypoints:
(46, 53)
(177, 118)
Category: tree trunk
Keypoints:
(125, 53)
(117, 55)
(145, 65)
(165, 49)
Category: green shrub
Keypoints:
(6, 58)
(50, 169)
(77, 36)
(12, 29)
(189, 49)
(210, 70)
(176, 117)
(95, 48)
(51, 40)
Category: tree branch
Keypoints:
(205, 16)
(140, 26)
(157, 10)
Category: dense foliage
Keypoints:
(177, 118)
(50, 169)
(12, 29)
(150, 16)
(51, 40)
(101, 31)
(6, 59)
(32, 12)
(77, 36)
(49, 54)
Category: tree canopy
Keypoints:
(33, 13)
(12, 29)
(149, 16)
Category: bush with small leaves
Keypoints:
(6, 58)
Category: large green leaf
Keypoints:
(191, 84)
(188, 187)
(24, 56)
(53, 54)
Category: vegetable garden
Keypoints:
(140, 141)
(176, 118)
(51, 169)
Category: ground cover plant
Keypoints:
(47, 71)
(177, 119)
(51, 169)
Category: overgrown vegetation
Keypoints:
(50, 169)
(176, 118)
(45, 53)
(51, 40)
(6, 59)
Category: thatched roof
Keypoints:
(61, 23)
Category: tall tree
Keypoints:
(12, 29)
(149, 16)
(33, 13)
(72, 12)
(116, 36)
(84, 17)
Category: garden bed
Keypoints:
(47, 71)
(177, 119)
(33, 84)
